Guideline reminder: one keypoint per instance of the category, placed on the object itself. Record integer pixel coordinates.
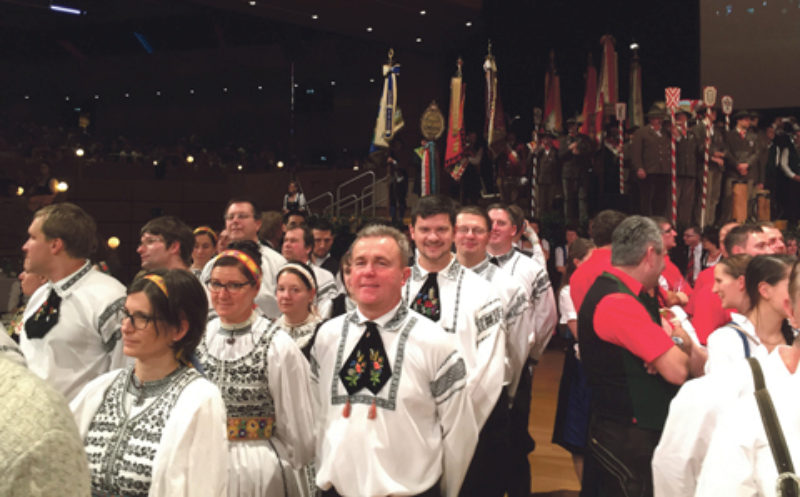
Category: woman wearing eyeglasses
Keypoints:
(264, 380)
(156, 428)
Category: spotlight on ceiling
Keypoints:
(79, 152)
(315, 16)
(369, 29)
(66, 10)
(468, 24)
(419, 40)
(423, 12)
(634, 46)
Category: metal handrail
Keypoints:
(347, 201)
(351, 180)
(320, 197)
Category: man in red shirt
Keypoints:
(602, 226)
(633, 366)
(675, 290)
(704, 306)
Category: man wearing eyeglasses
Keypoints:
(166, 243)
(72, 328)
(242, 222)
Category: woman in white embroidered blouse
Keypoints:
(296, 290)
(156, 428)
(759, 295)
(264, 380)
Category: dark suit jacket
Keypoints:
(741, 150)
(651, 152)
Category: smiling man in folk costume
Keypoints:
(392, 409)
(465, 305)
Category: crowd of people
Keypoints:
(262, 360)
(576, 175)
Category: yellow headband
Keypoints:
(245, 259)
(159, 282)
(206, 229)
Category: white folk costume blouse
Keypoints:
(739, 459)
(164, 438)
(725, 345)
(416, 431)
(542, 300)
(694, 414)
(300, 333)
(326, 289)
(472, 310)
(74, 341)
(518, 321)
(264, 380)
(271, 262)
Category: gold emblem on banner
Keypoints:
(432, 122)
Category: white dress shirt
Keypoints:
(739, 460)
(471, 309)
(694, 414)
(86, 341)
(423, 431)
(725, 345)
(540, 293)
(518, 321)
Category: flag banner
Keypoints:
(390, 119)
(427, 157)
(635, 110)
(589, 99)
(606, 87)
(454, 161)
(552, 97)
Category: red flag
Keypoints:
(589, 98)
(454, 161)
(607, 86)
(552, 97)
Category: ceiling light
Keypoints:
(634, 46)
(127, 95)
(189, 159)
(62, 186)
(96, 97)
(239, 167)
(252, 3)
(65, 10)
(66, 99)
(422, 12)
(158, 93)
(333, 83)
(468, 24)
(260, 87)
(20, 191)
(371, 80)
(191, 91)
(155, 162)
(280, 164)
(225, 90)
(27, 97)
(419, 40)
(369, 29)
(79, 152)
(314, 16)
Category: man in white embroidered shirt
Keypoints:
(463, 303)
(389, 387)
(542, 307)
(72, 327)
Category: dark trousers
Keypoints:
(654, 195)
(521, 443)
(486, 475)
(623, 454)
(431, 492)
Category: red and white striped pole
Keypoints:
(621, 109)
(674, 168)
(621, 161)
(673, 97)
(705, 172)
(709, 99)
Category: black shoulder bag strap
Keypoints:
(787, 483)
(740, 331)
